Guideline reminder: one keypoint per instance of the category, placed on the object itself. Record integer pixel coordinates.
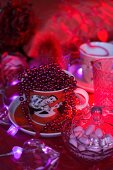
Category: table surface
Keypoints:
(66, 161)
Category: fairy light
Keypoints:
(80, 71)
(13, 130)
(36, 147)
(14, 82)
(17, 152)
(13, 97)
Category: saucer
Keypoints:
(17, 118)
(76, 70)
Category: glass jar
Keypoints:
(90, 134)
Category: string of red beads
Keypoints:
(47, 78)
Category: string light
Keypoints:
(14, 82)
(80, 72)
(13, 130)
(17, 152)
(47, 157)
(13, 97)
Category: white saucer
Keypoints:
(12, 109)
(76, 70)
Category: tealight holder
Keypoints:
(36, 155)
(89, 136)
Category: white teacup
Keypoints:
(90, 52)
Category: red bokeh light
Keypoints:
(103, 35)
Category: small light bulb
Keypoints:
(14, 82)
(13, 97)
(17, 152)
(12, 130)
(80, 71)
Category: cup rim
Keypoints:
(96, 44)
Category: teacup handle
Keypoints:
(82, 92)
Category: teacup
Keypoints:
(90, 52)
(45, 106)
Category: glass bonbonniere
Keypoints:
(37, 155)
(90, 135)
